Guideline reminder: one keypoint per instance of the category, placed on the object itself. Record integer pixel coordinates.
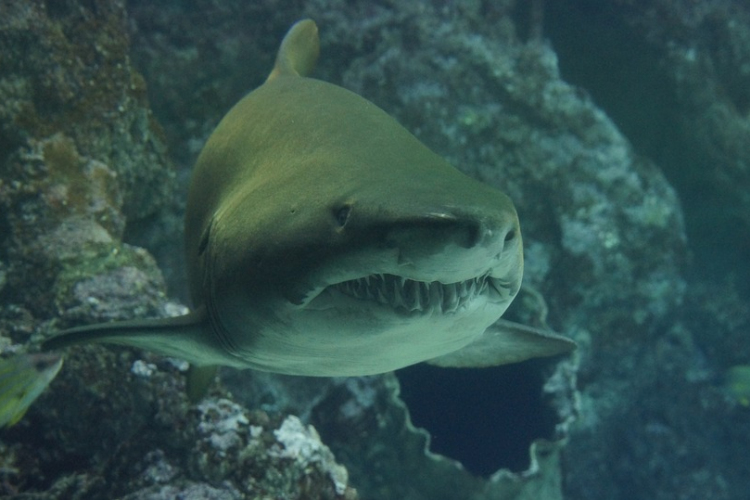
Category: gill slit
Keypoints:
(214, 319)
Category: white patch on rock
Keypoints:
(303, 444)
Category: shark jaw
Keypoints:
(405, 296)
(424, 276)
(379, 322)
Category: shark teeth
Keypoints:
(420, 296)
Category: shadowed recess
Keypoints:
(484, 418)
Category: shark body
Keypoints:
(324, 239)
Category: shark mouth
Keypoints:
(410, 295)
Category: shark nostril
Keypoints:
(510, 236)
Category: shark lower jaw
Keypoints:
(408, 296)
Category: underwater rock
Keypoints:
(262, 457)
(655, 420)
(66, 69)
(360, 413)
(677, 83)
(163, 445)
(210, 64)
(79, 154)
(187, 491)
(368, 426)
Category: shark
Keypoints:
(324, 239)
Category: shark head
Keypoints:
(322, 238)
(444, 261)
(412, 287)
(366, 253)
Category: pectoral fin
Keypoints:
(506, 342)
(187, 337)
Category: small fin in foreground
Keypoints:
(506, 342)
(23, 378)
(299, 51)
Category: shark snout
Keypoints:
(444, 229)
(449, 246)
(434, 229)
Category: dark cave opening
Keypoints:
(485, 418)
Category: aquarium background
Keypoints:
(621, 130)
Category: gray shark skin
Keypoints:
(324, 239)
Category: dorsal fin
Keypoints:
(298, 52)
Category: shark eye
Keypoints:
(510, 235)
(341, 214)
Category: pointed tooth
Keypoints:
(459, 300)
(470, 287)
(417, 305)
(449, 297)
(372, 286)
(380, 291)
(398, 299)
(361, 288)
(412, 295)
(436, 295)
